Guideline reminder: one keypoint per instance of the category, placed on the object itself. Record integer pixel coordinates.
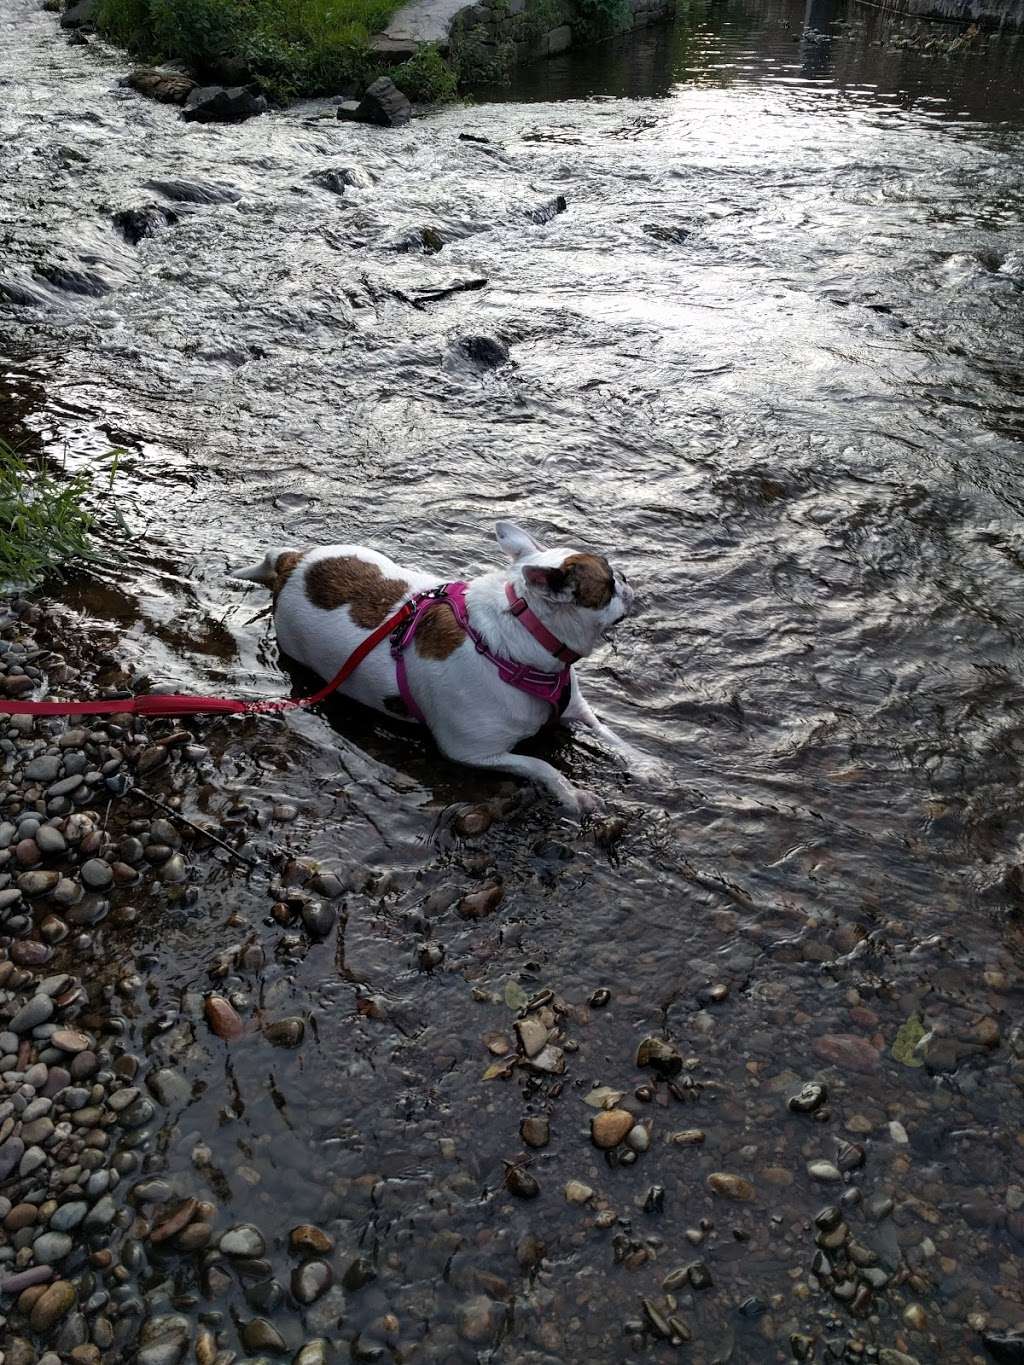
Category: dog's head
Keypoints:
(580, 594)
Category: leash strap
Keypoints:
(175, 705)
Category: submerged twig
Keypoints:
(215, 839)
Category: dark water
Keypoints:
(770, 358)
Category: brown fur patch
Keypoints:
(395, 705)
(350, 582)
(287, 562)
(439, 633)
(593, 577)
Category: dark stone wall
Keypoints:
(529, 30)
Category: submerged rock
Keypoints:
(144, 220)
(484, 353)
(730, 1186)
(222, 104)
(186, 192)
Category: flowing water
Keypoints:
(770, 359)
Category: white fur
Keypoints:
(474, 717)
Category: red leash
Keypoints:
(155, 705)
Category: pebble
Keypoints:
(608, 1128)
(311, 1280)
(472, 823)
(823, 1170)
(661, 1056)
(308, 1238)
(535, 1131)
(70, 1040)
(479, 904)
(37, 883)
(576, 1192)
(313, 1353)
(532, 1035)
(848, 1051)
(262, 1335)
(521, 1183)
(50, 841)
(51, 1246)
(285, 1032)
(731, 1186)
(52, 1305)
(243, 1240)
(638, 1138)
(35, 1012)
(811, 1097)
(223, 1018)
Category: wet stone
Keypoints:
(37, 1011)
(848, 1051)
(823, 1170)
(51, 1246)
(811, 1097)
(480, 1319)
(308, 1239)
(576, 1192)
(730, 1186)
(661, 1056)
(37, 883)
(70, 1040)
(52, 1305)
(608, 1128)
(535, 1131)
(243, 1240)
(262, 1335)
(521, 1183)
(311, 1280)
(285, 1032)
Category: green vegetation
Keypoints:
(44, 522)
(602, 18)
(292, 47)
(426, 78)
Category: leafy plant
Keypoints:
(44, 522)
(426, 77)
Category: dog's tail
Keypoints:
(265, 572)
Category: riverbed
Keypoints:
(769, 359)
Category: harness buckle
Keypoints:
(517, 607)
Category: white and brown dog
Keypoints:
(483, 664)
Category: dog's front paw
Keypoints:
(649, 770)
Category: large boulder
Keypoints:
(80, 15)
(223, 104)
(383, 104)
(169, 87)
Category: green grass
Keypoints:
(292, 47)
(44, 521)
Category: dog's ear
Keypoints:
(516, 542)
(554, 584)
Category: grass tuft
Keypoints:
(44, 522)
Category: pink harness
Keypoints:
(553, 688)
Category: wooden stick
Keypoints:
(177, 815)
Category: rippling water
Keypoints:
(769, 358)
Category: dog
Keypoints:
(484, 667)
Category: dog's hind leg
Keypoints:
(535, 770)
